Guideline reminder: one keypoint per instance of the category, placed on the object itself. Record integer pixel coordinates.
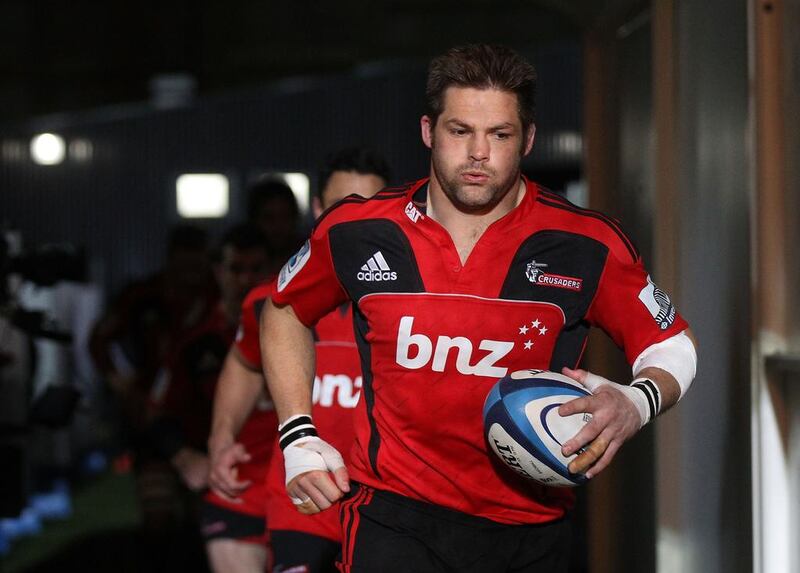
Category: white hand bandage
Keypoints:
(304, 451)
(643, 392)
(309, 454)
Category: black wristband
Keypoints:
(300, 427)
(651, 393)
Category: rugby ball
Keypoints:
(525, 430)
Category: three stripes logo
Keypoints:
(376, 269)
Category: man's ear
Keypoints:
(530, 135)
(316, 207)
(426, 127)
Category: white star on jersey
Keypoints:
(523, 329)
(542, 330)
(535, 323)
(528, 345)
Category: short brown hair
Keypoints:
(482, 66)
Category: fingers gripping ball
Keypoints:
(525, 430)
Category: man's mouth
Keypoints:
(475, 176)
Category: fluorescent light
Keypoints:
(81, 150)
(301, 186)
(202, 195)
(48, 149)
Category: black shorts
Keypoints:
(394, 534)
(217, 522)
(298, 552)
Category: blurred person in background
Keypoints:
(130, 341)
(272, 207)
(130, 344)
(181, 398)
(57, 304)
(299, 542)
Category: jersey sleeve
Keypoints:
(308, 281)
(631, 309)
(247, 334)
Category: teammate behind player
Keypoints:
(300, 543)
(182, 397)
(273, 208)
(453, 283)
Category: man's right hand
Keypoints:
(309, 484)
(223, 478)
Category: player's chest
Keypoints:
(557, 268)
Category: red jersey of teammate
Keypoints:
(184, 389)
(188, 395)
(435, 335)
(337, 387)
(148, 319)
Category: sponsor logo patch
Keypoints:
(294, 265)
(376, 269)
(413, 213)
(416, 350)
(535, 273)
(658, 304)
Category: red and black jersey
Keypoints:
(247, 336)
(259, 432)
(435, 335)
(337, 387)
(184, 391)
(147, 320)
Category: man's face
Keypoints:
(277, 220)
(343, 183)
(239, 271)
(476, 146)
(189, 268)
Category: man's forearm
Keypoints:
(238, 390)
(287, 350)
(671, 366)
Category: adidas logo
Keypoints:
(376, 269)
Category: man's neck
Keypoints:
(466, 228)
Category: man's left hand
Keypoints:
(615, 419)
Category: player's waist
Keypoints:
(504, 505)
(441, 512)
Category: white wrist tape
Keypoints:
(675, 355)
(635, 393)
(304, 451)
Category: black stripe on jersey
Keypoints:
(404, 187)
(380, 196)
(561, 253)
(569, 347)
(361, 328)
(354, 243)
(561, 203)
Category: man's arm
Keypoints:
(238, 389)
(615, 417)
(287, 350)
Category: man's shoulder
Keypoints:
(258, 294)
(563, 215)
(388, 203)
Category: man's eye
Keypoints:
(502, 135)
(458, 131)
